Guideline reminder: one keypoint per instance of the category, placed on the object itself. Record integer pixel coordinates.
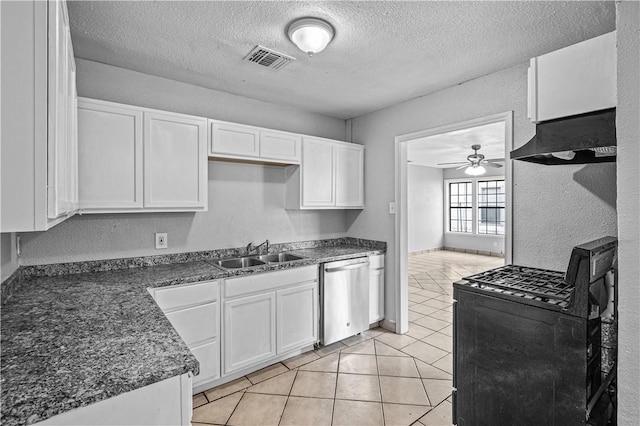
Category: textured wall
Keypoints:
(425, 205)
(628, 118)
(555, 208)
(246, 204)
(245, 201)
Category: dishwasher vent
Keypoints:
(268, 58)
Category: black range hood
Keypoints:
(579, 139)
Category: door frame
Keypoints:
(401, 219)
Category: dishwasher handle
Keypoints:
(347, 267)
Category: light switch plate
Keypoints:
(161, 240)
(392, 208)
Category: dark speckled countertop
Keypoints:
(71, 340)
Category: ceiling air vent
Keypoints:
(268, 58)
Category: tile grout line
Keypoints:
(289, 394)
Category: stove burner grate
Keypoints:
(529, 283)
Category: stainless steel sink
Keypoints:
(249, 261)
(278, 257)
(240, 262)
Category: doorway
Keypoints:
(406, 144)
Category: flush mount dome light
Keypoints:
(311, 35)
(475, 170)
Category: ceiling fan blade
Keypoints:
(453, 164)
(489, 164)
(463, 167)
(499, 160)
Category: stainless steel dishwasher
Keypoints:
(344, 294)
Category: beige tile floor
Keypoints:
(377, 378)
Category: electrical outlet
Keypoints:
(161, 240)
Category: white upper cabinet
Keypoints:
(135, 159)
(234, 140)
(330, 176)
(110, 157)
(280, 146)
(175, 161)
(39, 135)
(318, 173)
(577, 79)
(238, 142)
(349, 164)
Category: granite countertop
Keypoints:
(72, 340)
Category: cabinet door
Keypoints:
(59, 113)
(376, 295)
(72, 171)
(208, 355)
(195, 324)
(349, 175)
(110, 156)
(234, 139)
(574, 80)
(317, 173)
(297, 317)
(280, 146)
(175, 161)
(249, 331)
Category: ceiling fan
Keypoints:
(475, 163)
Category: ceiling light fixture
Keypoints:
(311, 35)
(475, 170)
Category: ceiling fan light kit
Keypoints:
(475, 170)
(311, 35)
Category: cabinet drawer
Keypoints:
(195, 324)
(208, 356)
(186, 295)
(376, 262)
(269, 280)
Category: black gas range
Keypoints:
(534, 346)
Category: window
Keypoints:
(491, 203)
(476, 206)
(461, 207)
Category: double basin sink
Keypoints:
(249, 261)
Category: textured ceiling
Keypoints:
(383, 53)
(456, 146)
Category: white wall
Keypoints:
(425, 200)
(487, 243)
(628, 130)
(555, 208)
(246, 202)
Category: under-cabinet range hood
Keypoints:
(579, 139)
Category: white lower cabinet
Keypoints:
(249, 330)
(168, 402)
(297, 317)
(267, 315)
(376, 288)
(193, 310)
(237, 324)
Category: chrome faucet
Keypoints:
(250, 247)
